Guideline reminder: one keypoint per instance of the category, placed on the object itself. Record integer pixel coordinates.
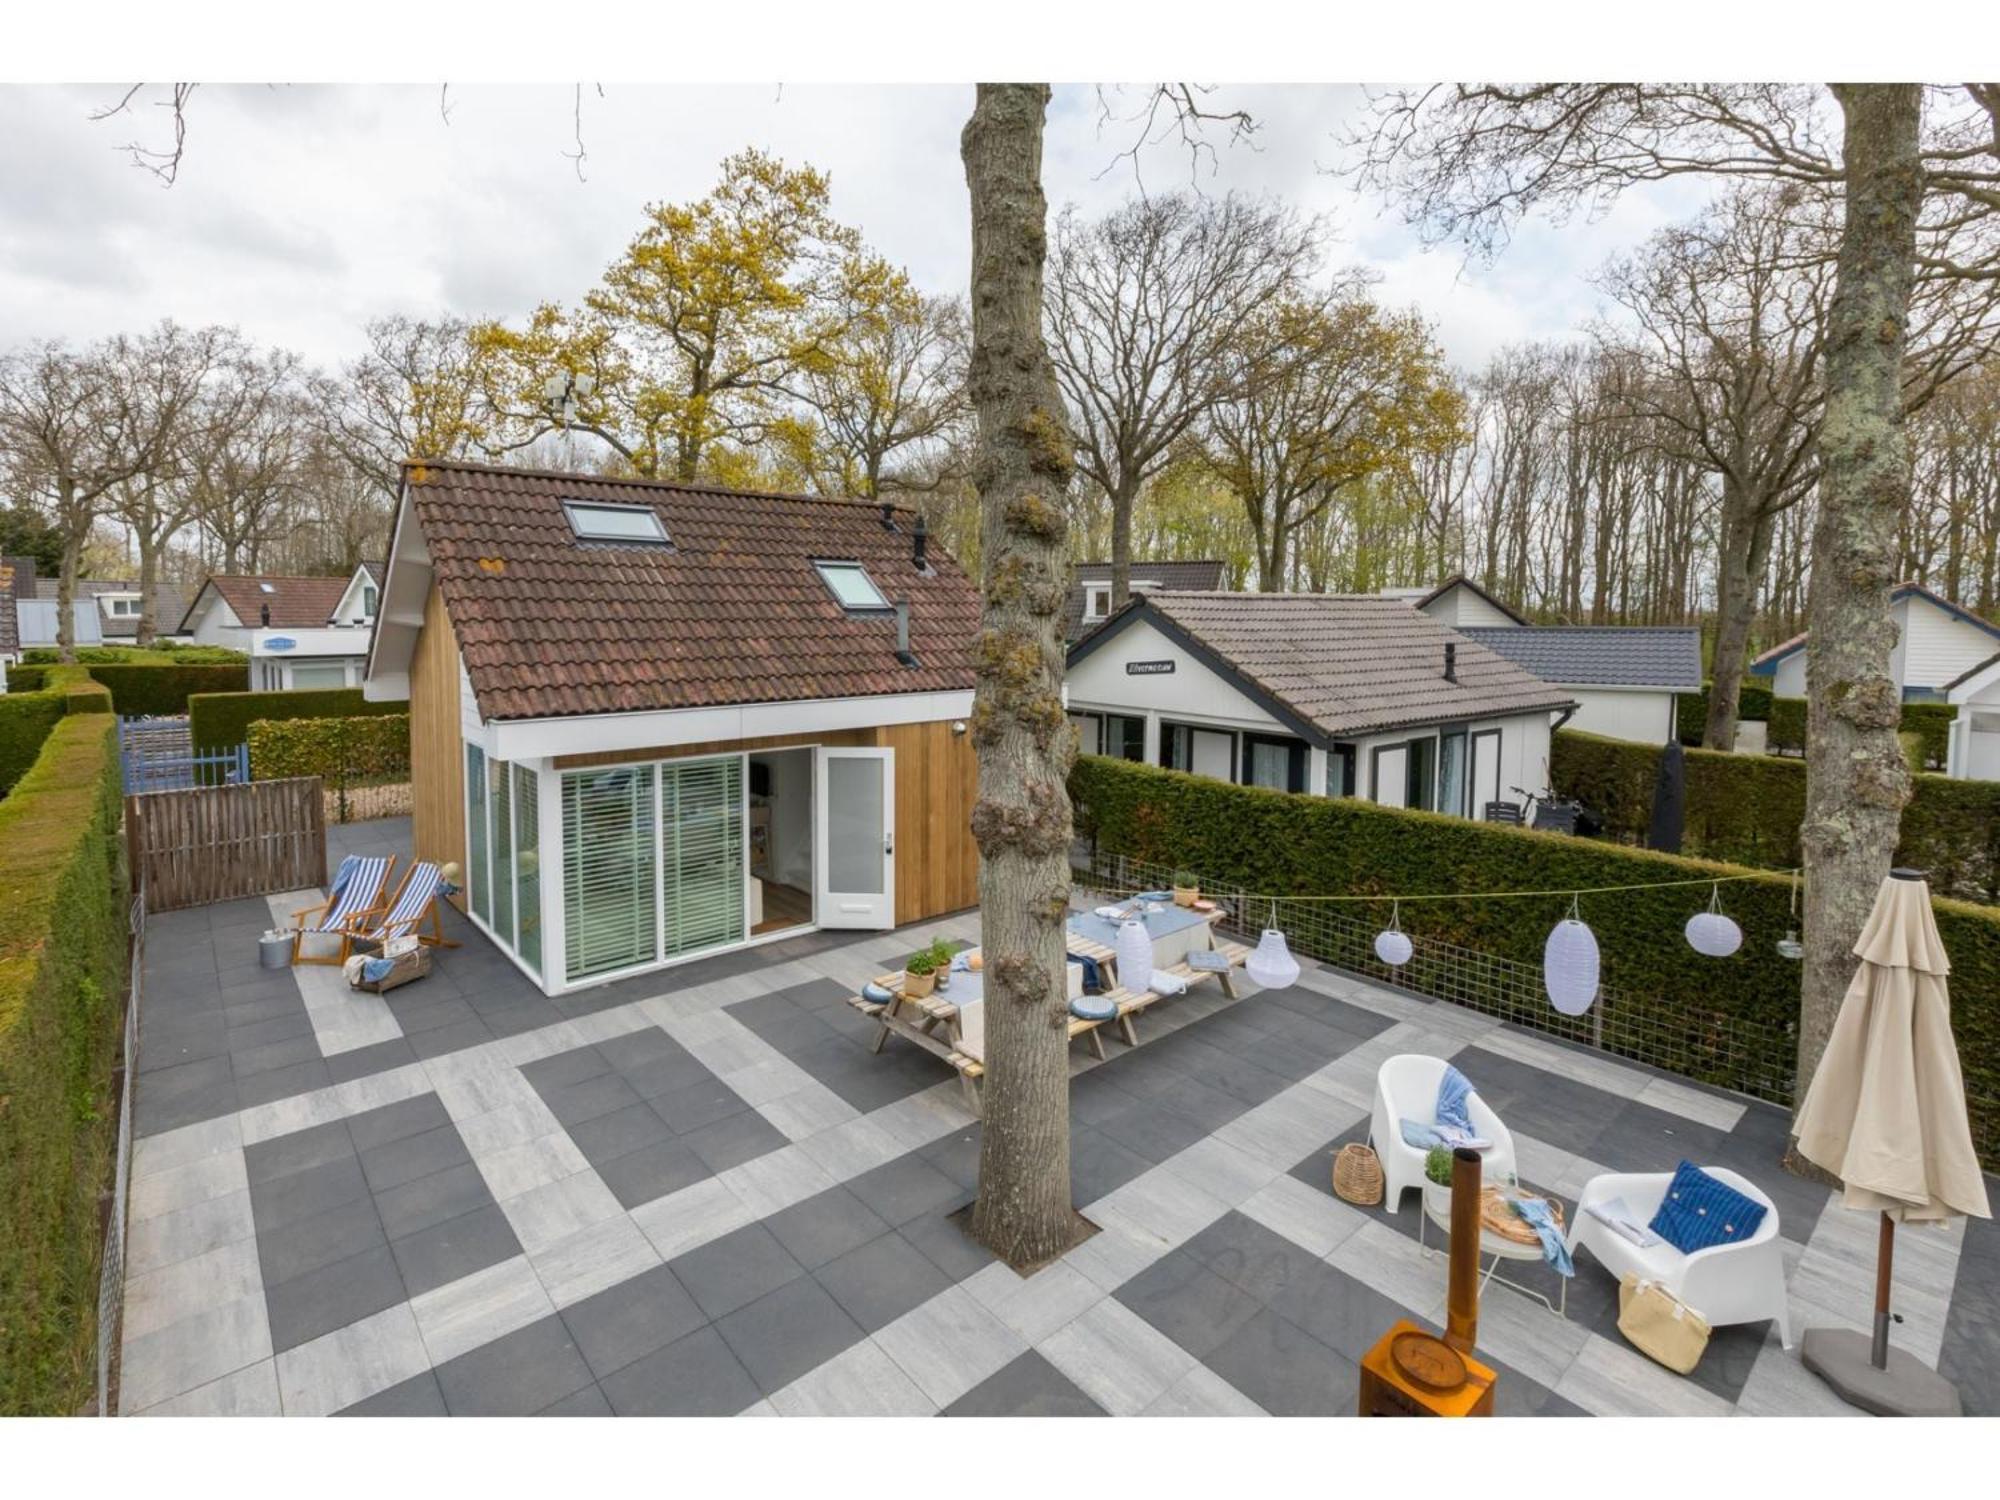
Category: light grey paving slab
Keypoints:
(1609, 1380)
(1227, 1172)
(807, 1112)
(164, 1297)
(691, 1217)
(295, 1112)
(1158, 1206)
(1115, 1254)
(1202, 1393)
(594, 1258)
(514, 1170)
(187, 1232)
(850, 1149)
(206, 1177)
(249, 1392)
(1393, 1264)
(185, 1145)
(544, 1216)
(1781, 1386)
(776, 1180)
(1307, 1217)
(1035, 1306)
(861, 1381)
(1694, 1104)
(374, 1090)
(340, 1368)
(191, 1352)
(1282, 1129)
(949, 1344)
(1116, 1357)
(477, 1309)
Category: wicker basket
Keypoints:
(1497, 1217)
(1357, 1174)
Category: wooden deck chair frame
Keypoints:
(300, 932)
(362, 924)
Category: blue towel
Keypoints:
(1452, 1091)
(1093, 975)
(1554, 1251)
(375, 970)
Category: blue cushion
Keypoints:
(1700, 1211)
(1093, 1008)
(874, 994)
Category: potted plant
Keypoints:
(920, 972)
(1437, 1183)
(1187, 888)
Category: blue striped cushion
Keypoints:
(1700, 1211)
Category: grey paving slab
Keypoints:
(735, 1270)
(733, 1140)
(413, 1156)
(691, 1106)
(697, 1376)
(517, 1375)
(652, 1172)
(282, 1083)
(309, 1244)
(411, 1207)
(285, 1200)
(825, 1226)
(332, 1296)
(785, 1333)
(880, 1281)
(1188, 1302)
(418, 1396)
(453, 1249)
(628, 1321)
(622, 1130)
(944, 1243)
(1026, 1386)
(588, 1402)
(281, 1155)
(394, 1122)
(899, 1190)
(1286, 1370)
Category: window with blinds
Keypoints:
(499, 797)
(610, 878)
(528, 866)
(478, 889)
(701, 853)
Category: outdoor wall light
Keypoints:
(958, 726)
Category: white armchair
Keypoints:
(1406, 1088)
(1739, 1283)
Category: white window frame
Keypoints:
(826, 567)
(1096, 601)
(579, 511)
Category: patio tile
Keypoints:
(652, 1172)
(1307, 1216)
(282, 1201)
(161, 1298)
(244, 1062)
(249, 1392)
(461, 1315)
(785, 1333)
(281, 1083)
(453, 1036)
(1035, 1306)
(516, 1375)
(573, 1103)
(193, 1351)
(1286, 1370)
(880, 1281)
(180, 1147)
(733, 1140)
(735, 1270)
(187, 1232)
(825, 1226)
(543, 1216)
(1026, 1386)
(397, 1162)
(631, 1320)
(319, 1241)
(942, 1238)
(1099, 1166)
(621, 1131)
(1203, 1393)
(411, 1207)
(182, 1095)
(1188, 1302)
(949, 1344)
(394, 1122)
(666, 1075)
(690, 1217)
(1116, 1357)
(593, 1259)
(860, 1381)
(899, 1190)
(333, 1296)
(696, 1376)
(197, 1182)
(285, 1154)
(418, 1396)
(444, 1252)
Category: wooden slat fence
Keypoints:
(217, 843)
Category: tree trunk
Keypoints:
(1022, 469)
(72, 558)
(149, 585)
(1122, 499)
(1739, 569)
(1856, 779)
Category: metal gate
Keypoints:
(158, 755)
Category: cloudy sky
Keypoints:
(302, 212)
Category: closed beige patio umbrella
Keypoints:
(1885, 1113)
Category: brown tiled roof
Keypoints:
(296, 603)
(1204, 573)
(1343, 664)
(731, 612)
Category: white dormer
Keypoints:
(358, 605)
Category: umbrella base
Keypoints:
(1907, 1388)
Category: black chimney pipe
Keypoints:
(919, 542)
(888, 516)
(1451, 661)
(264, 615)
(903, 653)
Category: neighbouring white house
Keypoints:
(1973, 750)
(1626, 679)
(1330, 694)
(1937, 644)
(1090, 594)
(298, 632)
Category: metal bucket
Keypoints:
(274, 949)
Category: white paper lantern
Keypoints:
(1392, 946)
(1713, 934)
(1271, 963)
(1569, 967)
(1135, 956)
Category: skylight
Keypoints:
(850, 584)
(630, 524)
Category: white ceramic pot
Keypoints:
(1437, 1199)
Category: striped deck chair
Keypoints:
(415, 904)
(357, 887)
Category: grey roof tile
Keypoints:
(1647, 656)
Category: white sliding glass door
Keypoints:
(856, 849)
(701, 854)
(611, 894)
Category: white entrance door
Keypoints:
(856, 849)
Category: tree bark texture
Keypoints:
(1022, 467)
(1744, 550)
(1856, 778)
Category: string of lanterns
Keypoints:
(1571, 961)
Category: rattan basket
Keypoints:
(1496, 1217)
(1357, 1174)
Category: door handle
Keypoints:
(888, 843)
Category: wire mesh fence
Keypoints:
(111, 1274)
(1712, 1046)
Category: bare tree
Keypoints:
(1143, 307)
(246, 470)
(1022, 466)
(416, 393)
(1918, 196)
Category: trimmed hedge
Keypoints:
(28, 716)
(1747, 809)
(170, 653)
(1753, 702)
(1284, 843)
(1929, 722)
(63, 929)
(141, 688)
(221, 721)
(339, 751)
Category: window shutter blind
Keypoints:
(503, 850)
(701, 808)
(528, 866)
(609, 851)
(478, 888)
